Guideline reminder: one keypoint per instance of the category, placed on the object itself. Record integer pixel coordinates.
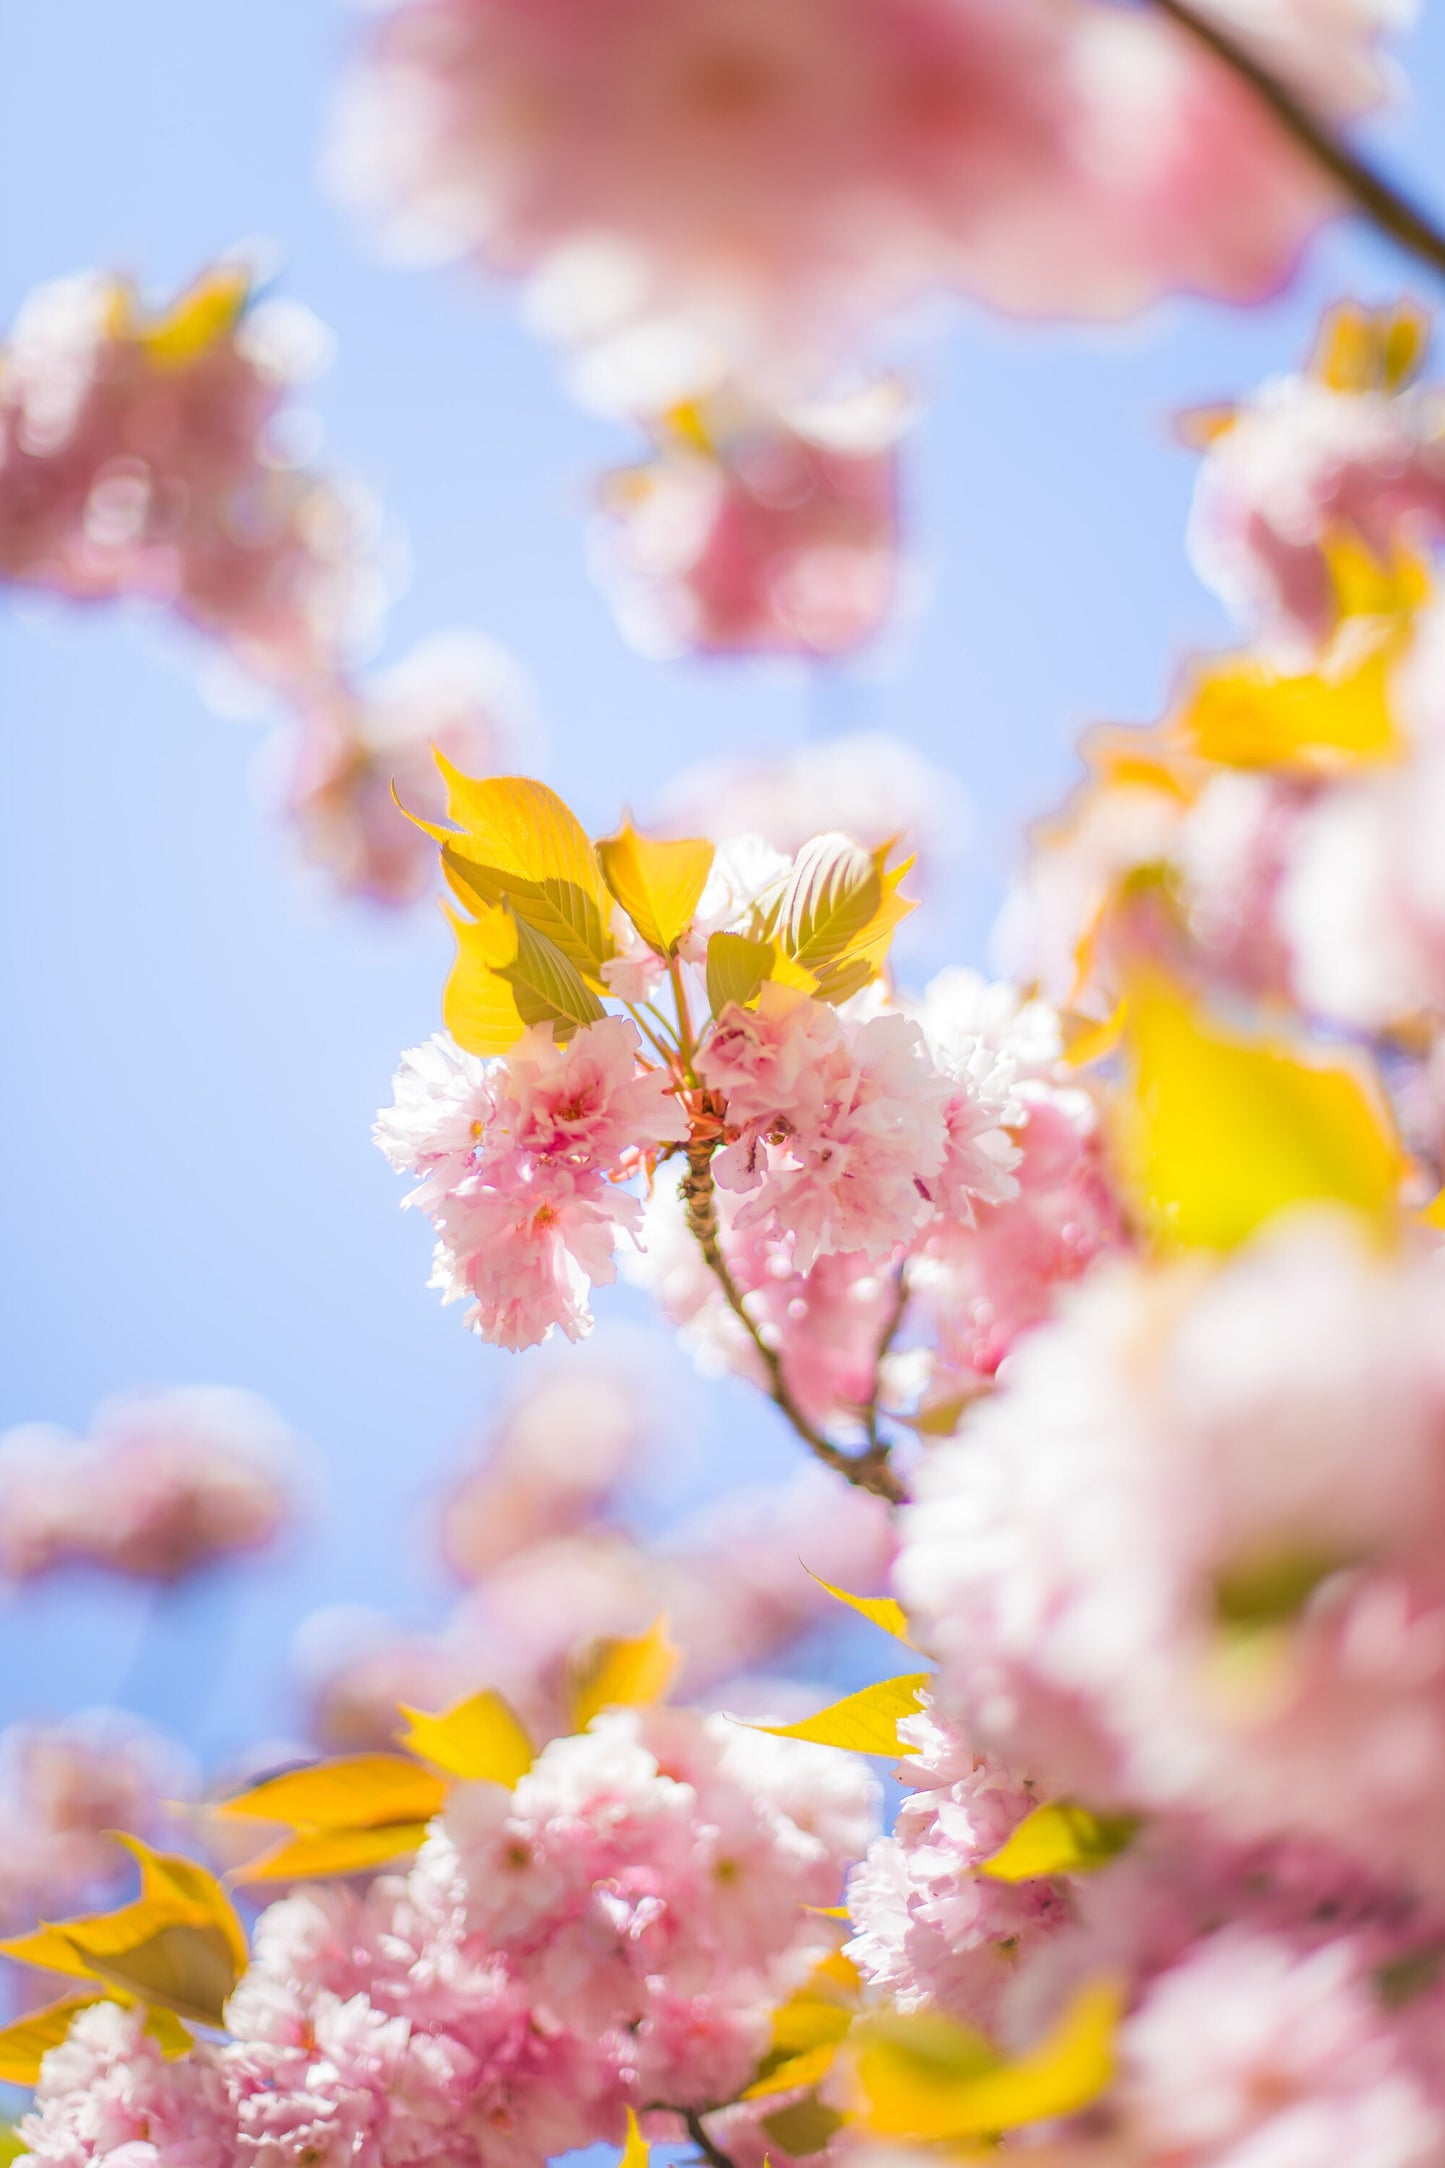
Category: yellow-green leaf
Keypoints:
(863, 957)
(624, 1673)
(635, 2151)
(181, 1888)
(315, 1854)
(1218, 1132)
(521, 845)
(736, 968)
(360, 1791)
(479, 1005)
(481, 1739)
(657, 883)
(834, 893)
(803, 2127)
(188, 1969)
(1059, 1838)
(25, 2043)
(926, 2078)
(884, 1611)
(864, 1723)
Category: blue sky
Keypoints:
(196, 1042)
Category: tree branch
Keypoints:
(1375, 197)
(869, 1470)
(712, 2154)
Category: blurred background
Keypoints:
(198, 1034)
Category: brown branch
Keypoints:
(1375, 197)
(869, 1470)
(885, 1341)
(712, 2154)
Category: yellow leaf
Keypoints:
(658, 884)
(25, 2043)
(927, 2078)
(864, 1723)
(821, 2010)
(883, 1611)
(799, 2070)
(481, 1739)
(315, 1854)
(1218, 1132)
(635, 2152)
(360, 1791)
(1245, 715)
(864, 955)
(184, 1968)
(507, 976)
(48, 1950)
(736, 968)
(519, 844)
(624, 1673)
(205, 313)
(834, 892)
(180, 1888)
(1059, 1838)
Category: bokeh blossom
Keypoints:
(163, 1485)
(753, 534)
(146, 457)
(700, 193)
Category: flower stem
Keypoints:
(1376, 198)
(885, 1341)
(712, 2154)
(869, 1470)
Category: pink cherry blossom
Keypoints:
(1188, 1558)
(839, 1127)
(515, 1158)
(1304, 465)
(165, 1484)
(365, 745)
(705, 192)
(928, 1930)
(757, 534)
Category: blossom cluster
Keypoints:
(163, 1485)
(712, 194)
(152, 457)
(875, 1195)
(1181, 1573)
(614, 1931)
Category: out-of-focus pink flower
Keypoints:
(731, 1582)
(139, 457)
(716, 190)
(1250, 2049)
(1352, 452)
(455, 693)
(64, 1787)
(1189, 1558)
(753, 534)
(562, 1449)
(143, 457)
(869, 786)
(164, 1484)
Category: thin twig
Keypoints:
(1377, 198)
(885, 1341)
(712, 2154)
(870, 1470)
